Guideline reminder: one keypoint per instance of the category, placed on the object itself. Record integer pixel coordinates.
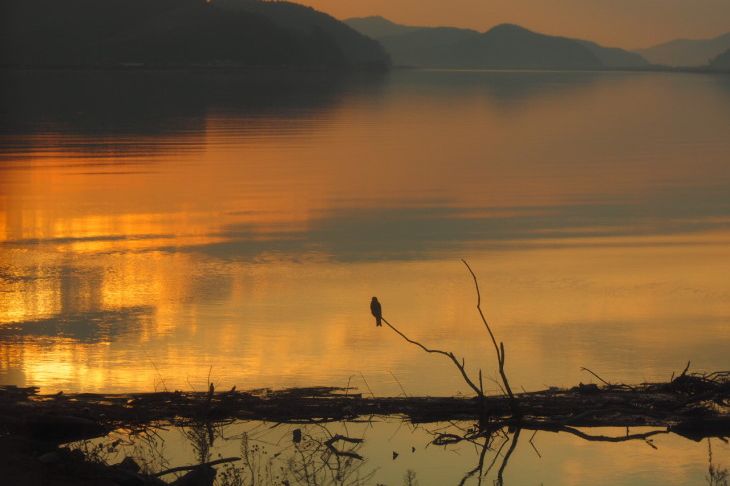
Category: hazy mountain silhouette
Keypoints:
(614, 57)
(503, 47)
(721, 62)
(178, 33)
(378, 27)
(687, 52)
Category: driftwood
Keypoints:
(695, 405)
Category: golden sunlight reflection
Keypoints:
(251, 243)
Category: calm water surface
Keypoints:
(391, 452)
(158, 227)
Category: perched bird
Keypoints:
(377, 311)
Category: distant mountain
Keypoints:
(378, 27)
(613, 57)
(687, 52)
(721, 62)
(431, 47)
(179, 33)
(503, 47)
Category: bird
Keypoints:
(377, 311)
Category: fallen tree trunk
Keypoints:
(695, 405)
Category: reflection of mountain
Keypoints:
(146, 104)
(86, 327)
(721, 62)
(503, 47)
(501, 88)
(687, 52)
(179, 33)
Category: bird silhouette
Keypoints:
(377, 311)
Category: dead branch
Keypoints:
(499, 349)
(448, 354)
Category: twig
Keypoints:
(594, 374)
(399, 384)
(366, 385)
(686, 368)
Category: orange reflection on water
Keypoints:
(251, 243)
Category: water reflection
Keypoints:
(155, 224)
(386, 451)
(155, 103)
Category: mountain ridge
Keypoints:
(505, 46)
(181, 33)
(686, 52)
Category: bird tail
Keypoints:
(378, 322)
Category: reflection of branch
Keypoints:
(512, 447)
(606, 438)
(196, 466)
(480, 465)
(337, 437)
(496, 456)
(450, 355)
(534, 447)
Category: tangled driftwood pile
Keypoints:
(696, 405)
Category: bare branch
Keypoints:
(499, 349)
(449, 355)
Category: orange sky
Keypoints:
(623, 23)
